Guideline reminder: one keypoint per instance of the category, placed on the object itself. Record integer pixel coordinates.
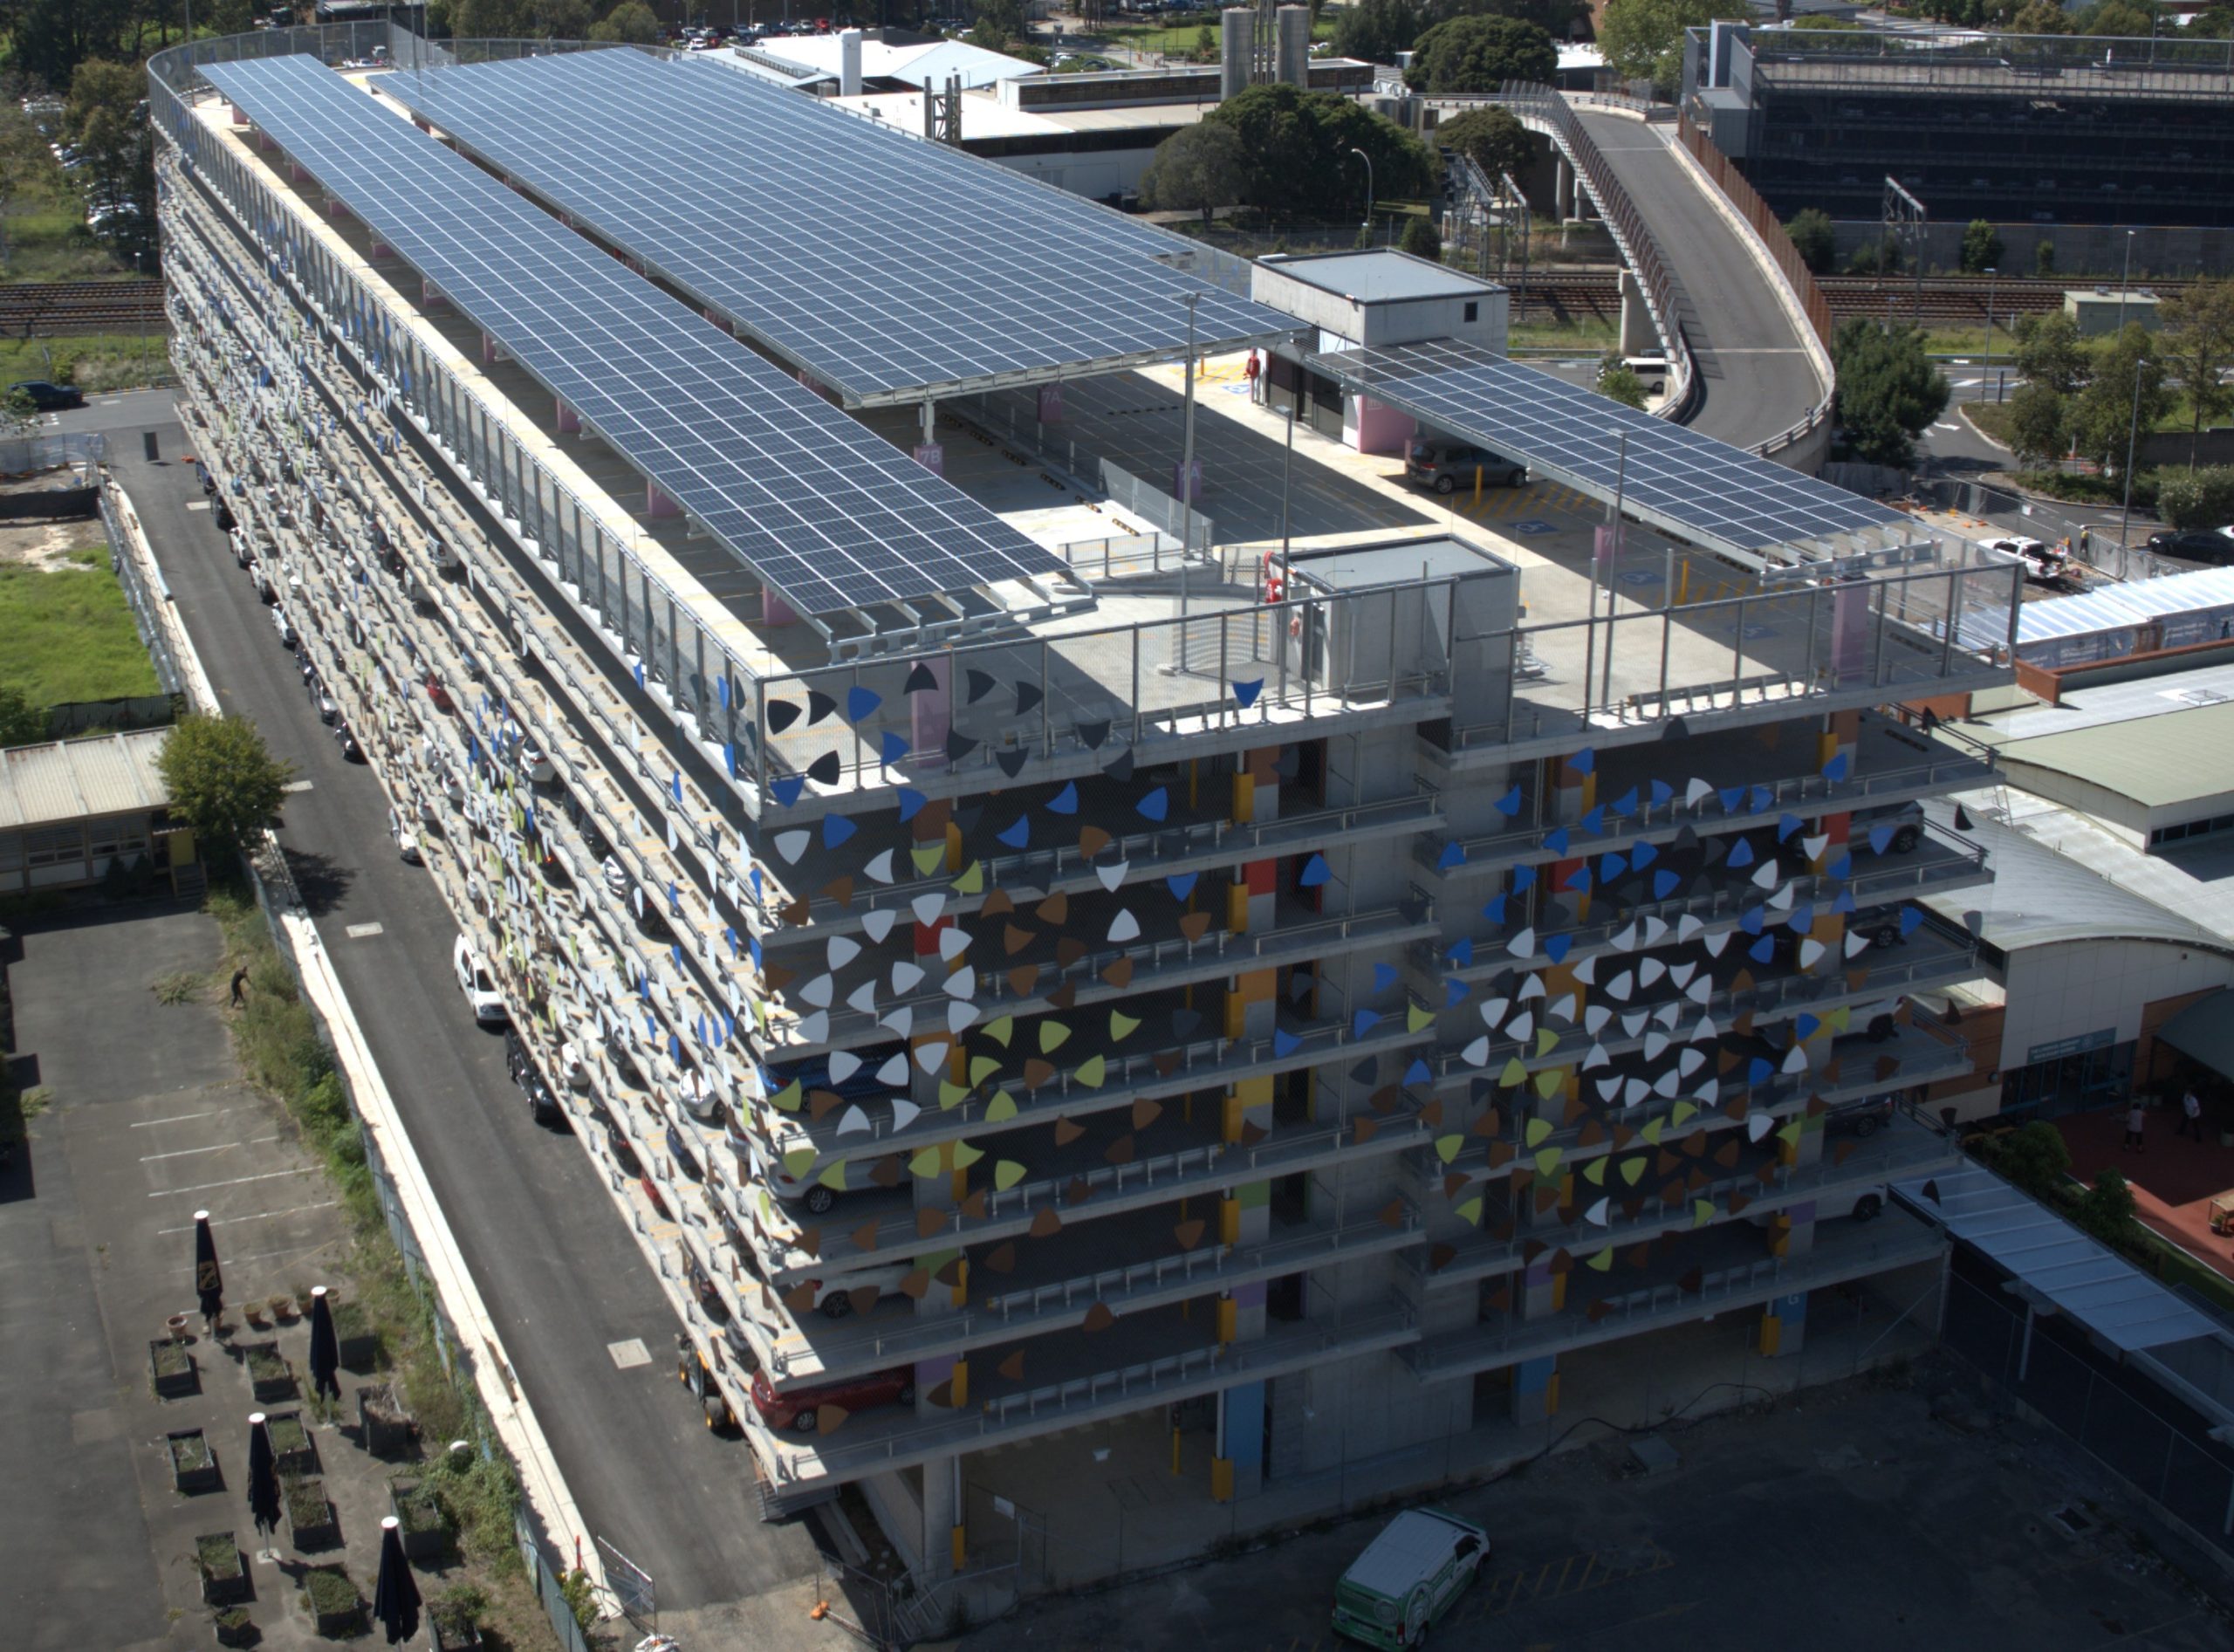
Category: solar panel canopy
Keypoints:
(884, 265)
(1698, 488)
(821, 509)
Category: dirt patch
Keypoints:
(47, 546)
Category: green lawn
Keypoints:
(95, 362)
(70, 636)
(1596, 337)
(1177, 40)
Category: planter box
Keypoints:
(270, 1375)
(171, 1369)
(234, 1629)
(311, 1521)
(385, 1425)
(424, 1529)
(293, 1450)
(335, 1606)
(356, 1342)
(224, 1574)
(194, 1465)
(453, 1634)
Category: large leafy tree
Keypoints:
(1297, 146)
(1494, 138)
(1813, 238)
(2049, 352)
(1643, 39)
(2129, 392)
(2039, 424)
(2198, 339)
(1889, 390)
(1480, 54)
(630, 23)
(1378, 30)
(223, 781)
(1197, 168)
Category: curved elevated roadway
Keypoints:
(1755, 378)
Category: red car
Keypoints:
(796, 1409)
(438, 694)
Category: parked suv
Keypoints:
(2191, 545)
(47, 397)
(1448, 466)
(797, 1408)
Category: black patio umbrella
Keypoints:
(396, 1597)
(326, 1351)
(209, 1278)
(263, 1476)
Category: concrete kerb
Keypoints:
(541, 1483)
(1817, 356)
(198, 693)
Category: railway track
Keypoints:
(68, 309)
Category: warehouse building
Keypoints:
(1275, 1026)
(71, 811)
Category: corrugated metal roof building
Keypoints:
(68, 807)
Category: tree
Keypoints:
(2043, 258)
(222, 780)
(2041, 16)
(2117, 19)
(630, 23)
(1620, 383)
(489, 19)
(2197, 498)
(1889, 390)
(1297, 145)
(1494, 138)
(2034, 1158)
(19, 414)
(559, 19)
(1814, 239)
(1480, 54)
(2198, 340)
(2048, 351)
(1981, 248)
(2040, 425)
(2130, 392)
(2106, 1208)
(1375, 31)
(21, 723)
(1421, 240)
(1197, 168)
(1643, 39)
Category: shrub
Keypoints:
(2201, 498)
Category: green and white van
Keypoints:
(1407, 1578)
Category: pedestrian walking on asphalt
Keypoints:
(2191, 1114)
(2135, 1119)
(240, 981)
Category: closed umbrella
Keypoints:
(326, 1351)
(396, 1597)
(263, 1476)
(209, 1278)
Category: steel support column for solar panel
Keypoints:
(1737, 657)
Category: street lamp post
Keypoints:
(1367, 225)
(2132, 435)
(1993, 275)
(1186, 483)
(2125, 282)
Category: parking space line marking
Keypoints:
(204, 1187)
(181, 1153)
(180, 1118)
(363, 931)
(261, 1216)
(297, 785)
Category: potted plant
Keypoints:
(355, 1338)
(456, 1617)
(310, 1515)
(385, 1423)
(270, 1375)
(194, 1465)
(292, 1450)
(424, 1525)
(253, 1312)
(170, 1367)
(283, 1308)
(334, 1603)
(235, 1628)
(224, 1574)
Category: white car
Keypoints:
(407, 840)
(535, 763)
(478, 985)
(835, 1295)
(285, 627)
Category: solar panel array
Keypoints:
(820, 508)
(1698, 486)
(878, 262)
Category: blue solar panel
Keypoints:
(877, 261)
(1698, 487)
(822, 509)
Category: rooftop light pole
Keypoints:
(1367, 225)
(1186, 483)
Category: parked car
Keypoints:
(542, 1103)
(535, 763)
(1863, 1118)
(1407, 1578)
(478, 985)
(2196, 545)
(288, 636)
(351, 751)
(1907, 820)
(1448, 466)
(834, 1295)
(438, 694)
(798, 1407)
(46, 396)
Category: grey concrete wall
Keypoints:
(2093, 250)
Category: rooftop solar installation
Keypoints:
(1695, 487)
(820, 508)
(883, 264)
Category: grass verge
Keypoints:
(93, 361)
(276, 1041)
(69, 636)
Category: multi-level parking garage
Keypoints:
(1014, 996)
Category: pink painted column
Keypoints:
(1050, 404)
(240, 116)
(488, 351)
(569, 421)
(382, 249)
(335, 210)
(930, 713)
(421, 122)
(657, 504)
(1189, 487)
(1382, 428)
(932, 457)
(297, 173)
(430, 297)
(775, 610)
